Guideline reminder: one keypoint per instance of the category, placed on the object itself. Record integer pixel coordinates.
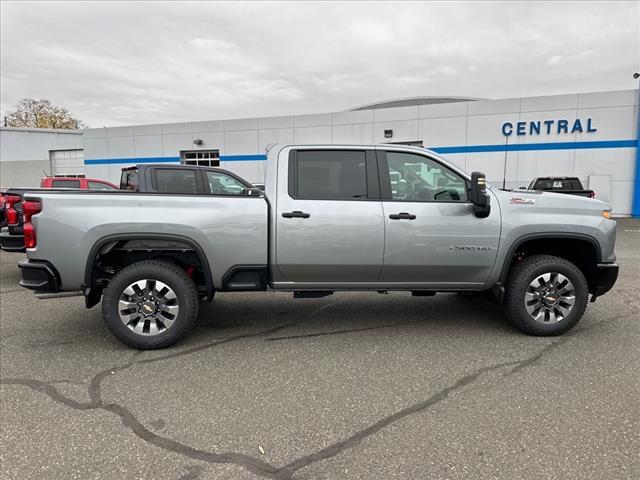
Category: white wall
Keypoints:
(24, 153)
(462, 124)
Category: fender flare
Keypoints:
(504, 272)
(102, 242)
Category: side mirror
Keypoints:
(254, 192)
(479, 196)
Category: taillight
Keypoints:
(30, 208)
(592, 195)
(11, 213)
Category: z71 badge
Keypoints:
(522, 201)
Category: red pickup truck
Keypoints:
(11, 234)
(73, 182)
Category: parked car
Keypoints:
(332, 218)
(568, 185)
(11, 232)
(3, 218)
(183, 179)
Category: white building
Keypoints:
(593, 136)
(28, 154)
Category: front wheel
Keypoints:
(545, 295)
(150, 304)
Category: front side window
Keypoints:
(65, 183)
(223, 184)
(415, 178)
(176, 181)
(330, 174)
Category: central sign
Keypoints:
(548, 127)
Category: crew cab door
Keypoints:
(329, 221)
(432, 235)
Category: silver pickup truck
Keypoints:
(331, 218)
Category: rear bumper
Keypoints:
(606, 277)
(11, 243)
(39, 276)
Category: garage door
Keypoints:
(67, 163)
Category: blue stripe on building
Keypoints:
(522, 147)
(525, 147)
(117, 161)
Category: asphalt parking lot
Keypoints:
(351, 386)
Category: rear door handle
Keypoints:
(402, 216)
(296, 214)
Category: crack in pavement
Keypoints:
(287, 471)
(129, 420)
(261, 333)
(353, 330)
(248, 462)
(339, 332)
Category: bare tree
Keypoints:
(30, 113)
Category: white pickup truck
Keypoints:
(332, 217)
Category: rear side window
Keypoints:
(329, 174)
(65, 183)
(176, 181)
(100, 186)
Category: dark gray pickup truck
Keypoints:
(567, 185)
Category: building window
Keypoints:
(201, 158)
(67, 163)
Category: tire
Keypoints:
(150, 304)
(543, 286)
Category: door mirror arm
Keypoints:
(254, 192)
(479, 196)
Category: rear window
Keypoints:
(558, 184)
(129, 180)
(176, 181)
(100, 186)
(65, 183)
(330, 174)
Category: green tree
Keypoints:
(30, 113)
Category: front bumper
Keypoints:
(39, 276)
(606, 276)
(11, 243)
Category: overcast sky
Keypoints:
(118, 63)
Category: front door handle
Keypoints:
(402, 216)
(296, 214)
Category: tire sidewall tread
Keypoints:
(523, 273)
(172, 275)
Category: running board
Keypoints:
(312, 294)
(45, 296)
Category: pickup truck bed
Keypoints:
(565, 185)
(331, 218)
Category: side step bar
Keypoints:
(312, 294)
(45, 296)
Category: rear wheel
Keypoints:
(545, 295)
(150, 304)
